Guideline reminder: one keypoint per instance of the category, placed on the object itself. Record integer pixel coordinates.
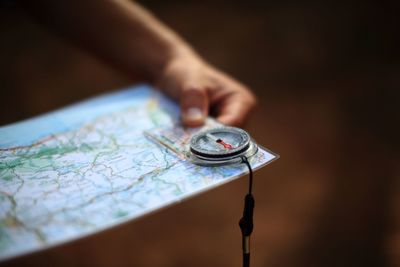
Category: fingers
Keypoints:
(235, 108)
(194, 106)
(198, 85)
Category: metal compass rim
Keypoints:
(248, 149)
(205, 153)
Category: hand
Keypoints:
(201, 89)
(135, 41)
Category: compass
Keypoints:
(228, 145)
(221, 146)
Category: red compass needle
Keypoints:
(219, 141)
(226, 145)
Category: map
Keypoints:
(93, 165)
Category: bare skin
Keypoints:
(129, 37)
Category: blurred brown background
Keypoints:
(327, 78)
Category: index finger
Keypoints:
(235, 108)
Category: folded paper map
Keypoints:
(93, 165)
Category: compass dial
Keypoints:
(224, 142)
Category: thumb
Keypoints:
(194, 106)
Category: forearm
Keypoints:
(119, 31)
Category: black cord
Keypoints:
(246, 222)
(245, 161)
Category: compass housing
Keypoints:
(206, 148)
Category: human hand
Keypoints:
(201, 89)
(135, 41)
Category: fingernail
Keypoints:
(193, 114)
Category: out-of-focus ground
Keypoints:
(327, 79)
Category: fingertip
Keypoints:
(194, 106)
(193, 117)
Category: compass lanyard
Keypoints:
(246, 222)
(203, 151)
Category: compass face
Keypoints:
(224, 142)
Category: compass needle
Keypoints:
(212, 137)
(226, 145)
(219, 141)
